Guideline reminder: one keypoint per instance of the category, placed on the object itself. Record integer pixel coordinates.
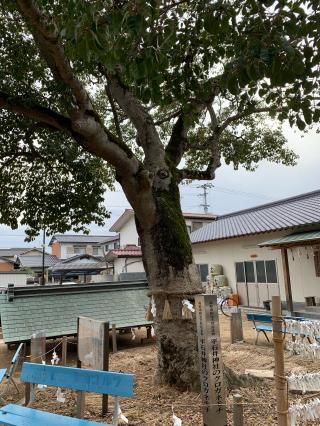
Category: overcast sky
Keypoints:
(232, 190)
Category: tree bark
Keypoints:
(172, 277)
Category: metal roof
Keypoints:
(55, 309)
(81, 239)
(36, 261)
(290, 213)
(293, 239)
(81, 262)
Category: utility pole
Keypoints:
(43, 255)
(204, 195)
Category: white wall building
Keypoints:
(127, 259)
(254, 246)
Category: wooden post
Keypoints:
(236, 327)
(287, 281)
(237, 410)
(80, 395)
(37, 351)
(114, 338)
(280, 379)
(64, 350)
(105, 354)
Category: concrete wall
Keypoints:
(128, 233)
(16, 278)
(226, 252)
(133, 265)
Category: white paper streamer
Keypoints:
(117, 413)
(308, 411)
(153, 307)
(308, 382)
(133, 334)
(305, 327)
(176, 420)
(55, 359)
(307, 350)
(188, 305)
(60, 395)
(152, 332)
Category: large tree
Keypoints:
(152, 92)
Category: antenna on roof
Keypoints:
(204, 195)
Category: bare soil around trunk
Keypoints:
(152, 404)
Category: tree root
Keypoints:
(234, 380)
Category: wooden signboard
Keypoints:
(93, 353)
(211, 366)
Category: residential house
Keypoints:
(34, 262)
(128, 258)
(6, 265)
(79, 268)
(12, 253)
(65, 245)
(272, 249)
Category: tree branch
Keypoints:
(36, 112)
(115, 114)
(52, 51)
(213, 164)
(244, 114)
(140, 118)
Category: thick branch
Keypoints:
(213, 164)
(240, 115)
(140, 118)
(52, 51)
(34, 111)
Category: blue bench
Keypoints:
(104, 382)
(9, 373)
(261, 321)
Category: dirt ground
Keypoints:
(152, 404)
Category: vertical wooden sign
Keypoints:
(211, 366)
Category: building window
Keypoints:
(79, 249)
(203, 271)
(249, 270)
(96, 251)
(260, 271)
(317, 261)
(196, 225)
(240, 275)
(271, 271)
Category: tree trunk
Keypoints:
(172, 277)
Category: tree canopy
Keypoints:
(90, 89)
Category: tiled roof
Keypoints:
(36, 261)
(290, 213)
(128, 251)
(81, 239)
(81, 262)
(55, 309)
(10, 252)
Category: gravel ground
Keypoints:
(152, 404)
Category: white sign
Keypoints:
(211, 365)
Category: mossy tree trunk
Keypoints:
(172, 276)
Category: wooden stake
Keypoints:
(280, 379)
(236, 327)
(64, 350)
(237, 410)
(114, 338)
(105, 354)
